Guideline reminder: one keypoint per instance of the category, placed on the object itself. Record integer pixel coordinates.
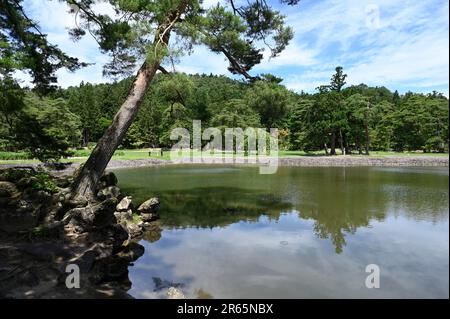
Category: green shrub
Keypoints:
(44, 182)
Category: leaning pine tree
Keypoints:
(139, 32)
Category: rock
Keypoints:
(149, 206)
(133, 230)
(175, 293)
(26, 182)
(77, 201)
(63, 181)
(117, 234)
(82, 217)
(85, 261)
(104, 213)
(98, 215)
(149, 217)
(109, 269)
(109, 192)
(24, 206)
(108, 179)
(14, 174)
(8, 190)
(37, 196)
(132, 252)
(125, 204)
(124, 216)
(28, 278)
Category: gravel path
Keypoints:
(311, 161)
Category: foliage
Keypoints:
(24, 47)
(306, 121)
(42, 127)
(51, 127)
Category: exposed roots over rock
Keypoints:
(44, 228)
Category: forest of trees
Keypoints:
(349, 119)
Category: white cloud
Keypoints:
(406, 47)
(203, 61)
(293, 55)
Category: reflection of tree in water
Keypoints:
(153, 232)
(338, 200)
(339, 204)
(341, 201)
(213, 207)
(218, 207)
(161, 284)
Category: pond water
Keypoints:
(229, 232)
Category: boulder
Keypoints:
(133, 230)
(108, 179)
(8, 190)
(98, 215)
(109, 192)
(37, 196)
(26, 182)
(132, 252)
(63, 181)
(125, 204)
(77, 201)
(104, 213)
(149, 217)
(85, 261)
(149, 206)
(124, 216)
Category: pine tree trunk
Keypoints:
(86, 181)
(367, 139)
(366, 124)
(347, 147)
(333, 144)
(85, 140)
(341, 141)
(98, 160)
(358, 146)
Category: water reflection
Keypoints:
(304, 232)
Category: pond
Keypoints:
(229, 232)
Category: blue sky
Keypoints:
(401, 44)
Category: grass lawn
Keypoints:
(125, 154)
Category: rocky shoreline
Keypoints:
(43, 229)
